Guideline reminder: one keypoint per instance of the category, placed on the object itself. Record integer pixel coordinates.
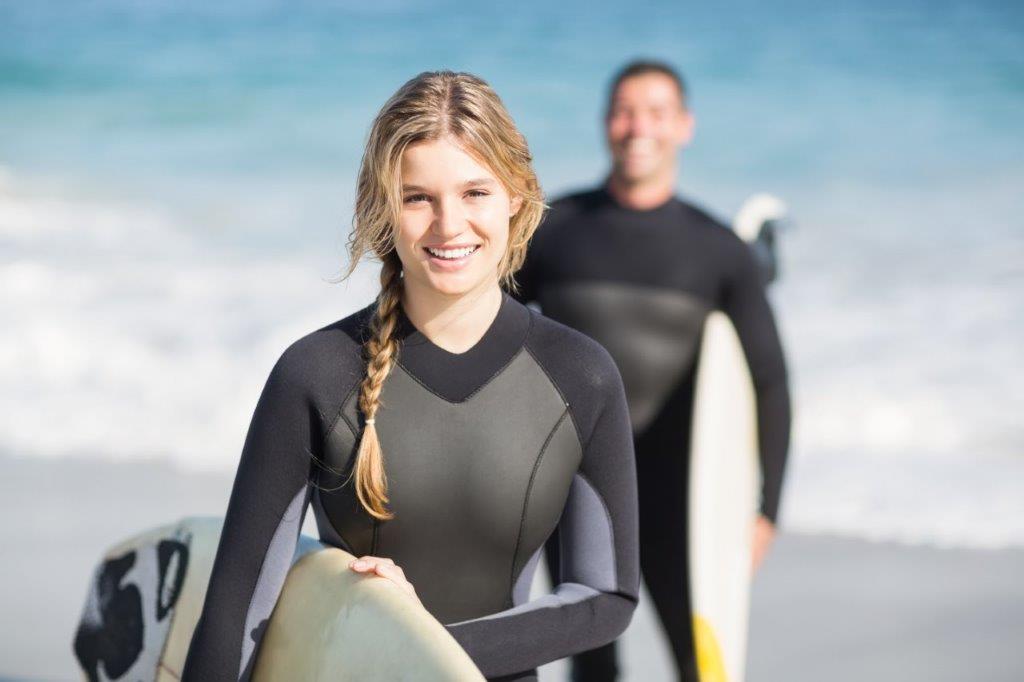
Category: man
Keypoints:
(638, 269)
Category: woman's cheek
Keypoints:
(494, 220)
(410, 231)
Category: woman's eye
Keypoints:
(416, 197)
(476, 193)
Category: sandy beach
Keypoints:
(824, 608)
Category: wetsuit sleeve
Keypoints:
(599, 584)
(745, 303)
(260, 532)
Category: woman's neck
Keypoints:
(454, 323)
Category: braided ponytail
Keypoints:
(381, 351)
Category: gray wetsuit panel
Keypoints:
(652, 333)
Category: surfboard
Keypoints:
(144, 601)
(147, 593)
(725, 473)
(333, 624)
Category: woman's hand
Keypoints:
(385, 568)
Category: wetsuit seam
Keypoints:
(349, 547)
(321, 463)
(343, 417)
(259, 574)
(355, 434)
(611, 528)
(526, 500)
(584, 445)
(554, 384)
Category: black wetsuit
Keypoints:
(642, 283)
(484, 451)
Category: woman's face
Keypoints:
(453, 229)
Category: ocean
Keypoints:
(176, 181)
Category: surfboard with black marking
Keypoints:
(147, 594)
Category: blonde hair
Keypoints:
(431, 106)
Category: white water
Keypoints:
(128, 336)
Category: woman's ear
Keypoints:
(514, 205)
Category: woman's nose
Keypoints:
(449, 219)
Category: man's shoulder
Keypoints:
(695, 214)
(567, 206)
(714, 233)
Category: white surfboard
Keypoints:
(330, 623)
(724, 477)
(725, 482)
(333, 624)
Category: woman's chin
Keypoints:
(452, 283)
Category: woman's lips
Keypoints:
(450, 258)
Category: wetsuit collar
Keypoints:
(457, 376)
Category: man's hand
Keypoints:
(764, 533)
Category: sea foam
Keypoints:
(128, 336)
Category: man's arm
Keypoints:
(745, 303)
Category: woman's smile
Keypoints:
(450, 258)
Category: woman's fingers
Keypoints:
(390, 570)
(395, 575)
(367, 563)
(385, 568)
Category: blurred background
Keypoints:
(176, 181)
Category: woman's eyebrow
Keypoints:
(476, 182)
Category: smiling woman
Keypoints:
(451, 428)
(454, 225)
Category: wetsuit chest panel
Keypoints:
(652, 333)
(339, 516)
(459, 482)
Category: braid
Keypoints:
(381, 351)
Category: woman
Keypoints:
(441, 433)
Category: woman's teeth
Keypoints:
(452, 254)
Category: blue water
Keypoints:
(176, 183)
(793, 93)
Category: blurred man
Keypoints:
(638, 269)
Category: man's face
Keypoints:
(647, 125)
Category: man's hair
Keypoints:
(642, 67)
